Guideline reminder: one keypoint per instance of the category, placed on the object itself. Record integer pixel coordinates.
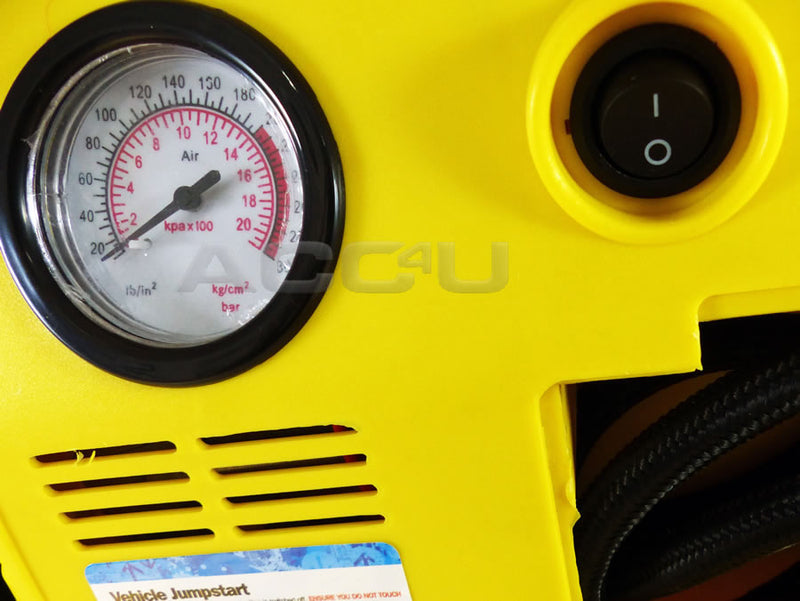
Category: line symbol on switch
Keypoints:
(656, 111)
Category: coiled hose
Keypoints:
(732, 410)
(710, 535)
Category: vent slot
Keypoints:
(106, 482)
(275, 434)
(303, 494)
(289, 465)
(116, 451)
(95, 513)
(149, 536)
(350, 519)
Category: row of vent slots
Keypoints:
(73, 485)
(238, 500)
(166, 446)
(183, 505)
(199, 532)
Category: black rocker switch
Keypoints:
(655, 115)
(655, 111)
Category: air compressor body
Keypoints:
(412, 437)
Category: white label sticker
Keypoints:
(329, 573)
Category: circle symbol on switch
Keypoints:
(649, 149)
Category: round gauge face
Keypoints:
(170, 194)
(175, 180)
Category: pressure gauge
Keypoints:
(173, 192)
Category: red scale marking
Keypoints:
(282, 209)
(154, 121)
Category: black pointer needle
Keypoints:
(187, 198)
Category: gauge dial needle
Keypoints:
(186, 198)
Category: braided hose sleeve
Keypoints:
(730, 411)
(671, 552)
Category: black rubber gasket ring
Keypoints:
(230, 40)
(657, 37)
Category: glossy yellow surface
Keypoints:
(439, 110)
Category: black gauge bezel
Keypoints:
(222, 36)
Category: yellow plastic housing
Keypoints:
(482, 271)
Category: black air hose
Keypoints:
(730, 411)
(727, 344)
(673, 550)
